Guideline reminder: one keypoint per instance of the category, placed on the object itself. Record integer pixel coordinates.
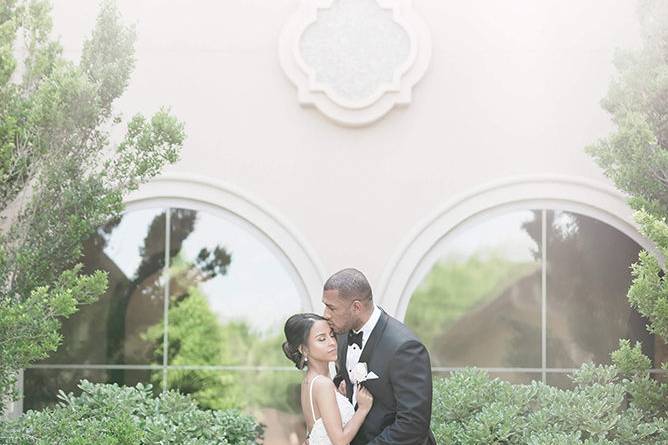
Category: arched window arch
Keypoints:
(529, 295)
(527, 279)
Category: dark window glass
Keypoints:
(588, 277)
(480, 303)
(41, 386)
(131, 249)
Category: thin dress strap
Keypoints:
(310, 396)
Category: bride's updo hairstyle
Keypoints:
(297, 329)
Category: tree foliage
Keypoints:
(60, 177)
(635, 157)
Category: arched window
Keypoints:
(196, 301)
(529, 295)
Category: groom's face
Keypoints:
(338, 311)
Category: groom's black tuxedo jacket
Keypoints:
(402, 394)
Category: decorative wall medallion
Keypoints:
(354, 60)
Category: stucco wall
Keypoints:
(513, 89)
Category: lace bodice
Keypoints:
(318, 435)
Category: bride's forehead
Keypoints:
(320, 327)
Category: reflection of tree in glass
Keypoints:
(88, 334)
(130, 303)
(42, 385)
(588, 275)
(110, 331)
(467, 314)
(446, 309)
(196, 337)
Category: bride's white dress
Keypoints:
(318, 435)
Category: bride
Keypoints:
(330, 417)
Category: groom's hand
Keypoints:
(342, 388)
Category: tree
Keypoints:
(635, 157)
(60, 179)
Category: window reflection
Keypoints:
(588, 276)
(41, 386)
(561, 380)
(131, 249)
(480, 304)
(229, 295)
(253, 285)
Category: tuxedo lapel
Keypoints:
(376, 334)
(369, 345)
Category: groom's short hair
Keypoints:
(351, 285)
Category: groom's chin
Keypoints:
(338, 331)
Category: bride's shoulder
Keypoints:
(322, 383)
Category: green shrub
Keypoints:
(113, 415)
(469, 408)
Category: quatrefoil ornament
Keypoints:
(354, 60)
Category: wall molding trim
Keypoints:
(416, 255)
(202, 193)
(399, 17)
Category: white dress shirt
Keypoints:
(354, 352)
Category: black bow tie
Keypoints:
(355, 338)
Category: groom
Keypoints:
(402, 393)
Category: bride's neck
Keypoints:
(317, 367)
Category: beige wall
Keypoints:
(513, 90)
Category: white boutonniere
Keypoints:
(362, 374)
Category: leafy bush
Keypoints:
(470, 408)
(113, 415)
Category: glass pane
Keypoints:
(561, 380)
(480, 303)
(131, 249)
(273, 397)
(40, 386)
(229, 295)
(588, 277)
